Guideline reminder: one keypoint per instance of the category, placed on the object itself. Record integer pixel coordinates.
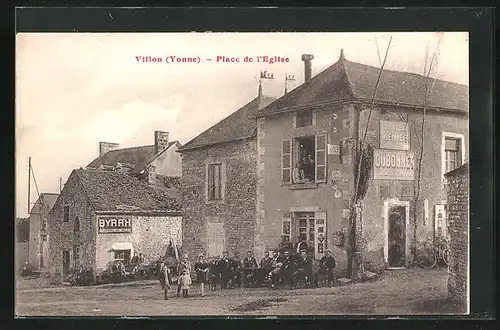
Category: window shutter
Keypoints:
(320, 237)
(321, 158)
(286, 161)
(286, 226)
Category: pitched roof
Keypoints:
(241, 124)
(114, 191)
(48, 199)
(138, 157)
(347, 81)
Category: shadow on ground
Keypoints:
(256, 305)
(438, 306)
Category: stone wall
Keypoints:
(150, 236)
(236, 209)
(62, 236)
(458, 216)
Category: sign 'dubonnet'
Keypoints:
(393, 165)
(394, 135)
(114, 225)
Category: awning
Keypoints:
(123, 246)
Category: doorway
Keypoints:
(66, 263)
(397, 237)
(396, 225)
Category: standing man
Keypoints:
(306, 266)
(266, 262)
(236, 264)
(225, 269)
(249, 263)
(202, 268)
(300, 245)
(326, 266)
(165, 279)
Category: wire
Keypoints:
(34, 179)
(368, 120)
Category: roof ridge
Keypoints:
(257, 98)
(406, 73)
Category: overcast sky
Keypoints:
(76, 89)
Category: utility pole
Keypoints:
(29, 182)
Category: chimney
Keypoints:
(151, 172)
(161, 141)
(307, 58)
(104, 147)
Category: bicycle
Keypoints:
(430, 253)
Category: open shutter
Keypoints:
(286, 226)
(321, 158)
(320, 239)
(286, 161)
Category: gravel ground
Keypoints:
(401, 292)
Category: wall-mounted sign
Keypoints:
(333, 149)
(393, 165)
(114, 225)
(441, 226)
(394, 135)
(346, 213)
(336, 175)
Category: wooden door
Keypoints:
(215, 238)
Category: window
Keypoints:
(214, 181)
(306, 226)
(76, 229)
(122, 255)
(304, 159)
(76, 252)
(304, 118)
(286, 229)
(453, 158)
(452, 152)
(66, 213)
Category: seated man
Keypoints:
(278, 264)
(298, 174)
(326, 267)
(305, 271)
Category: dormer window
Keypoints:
(304, 118)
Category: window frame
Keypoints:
(289, 168)
(296, 119)
(444, 137)
(66, 214)
(76, 225)
(124, 254)
(76, 252)
(214, 191)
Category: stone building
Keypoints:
(324, 119)
(146, 161)
(219, 178)
(101, 216)
(39, 236)
(458, 217)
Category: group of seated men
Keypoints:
(279, 267)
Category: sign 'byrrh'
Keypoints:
(393, 165)
(394, 135)
(115, 225)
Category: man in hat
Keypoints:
(326, 266)
(306, 267)
(300, 245)
(225, 269)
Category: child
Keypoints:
(184, 283)
(165, 280)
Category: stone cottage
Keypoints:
(102, 216)
(219, 180)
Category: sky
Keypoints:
(74, 90)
